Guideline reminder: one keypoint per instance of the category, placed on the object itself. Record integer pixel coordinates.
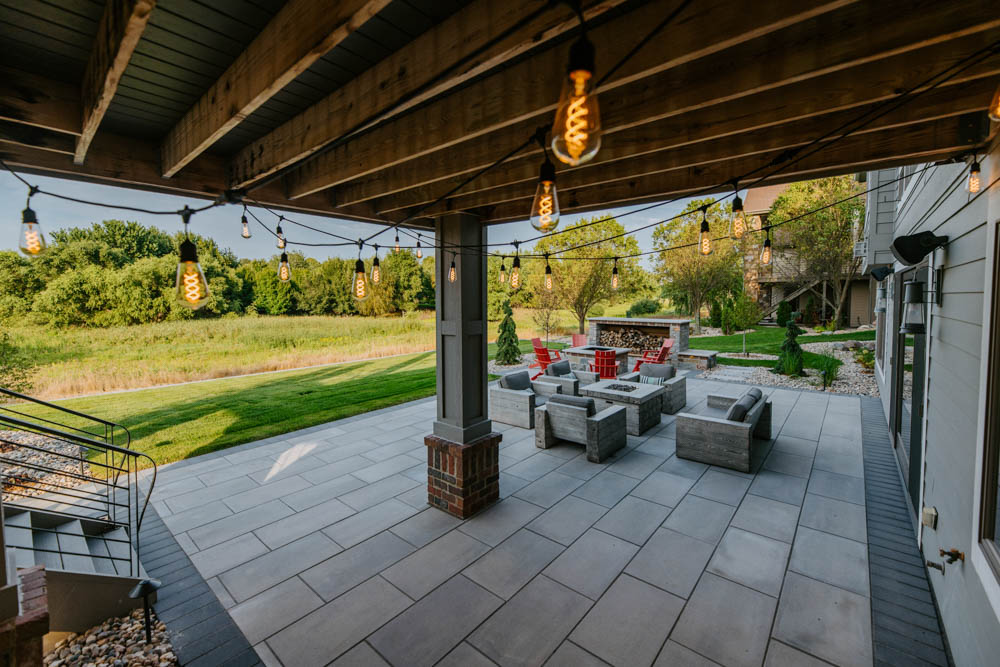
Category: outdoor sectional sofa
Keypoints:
(723, 433)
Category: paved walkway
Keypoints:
(322, 548)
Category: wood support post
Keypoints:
(463, 452)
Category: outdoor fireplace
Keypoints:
(638, 333)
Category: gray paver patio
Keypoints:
(322, 549)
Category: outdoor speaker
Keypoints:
(909, 250)
(882, 272)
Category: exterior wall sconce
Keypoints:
(914, 309)
(880, 300)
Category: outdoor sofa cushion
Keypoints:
(559, 369)
(755, 392)
(664, 371)
(576, 401)
(649, 379)
(739, 409)
(518, 380)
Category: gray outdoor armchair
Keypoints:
(514, 399)
(576, 419)
(724, 432)
(561, 374)
(675, 396)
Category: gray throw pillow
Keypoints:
(575, 401)
(664, 371)
(649, 379)
(756, 393)
(518, 380)
(739, 409)
(558, 369)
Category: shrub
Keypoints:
(790, 359)
(508, 352)
(597, 310)
(643, 307)
(784, 313)
(865, 357)
(828, 368)
(715, 314)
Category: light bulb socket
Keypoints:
(517, 263)
(28, 216)
(737, 204)
(284, 258)
(277, 230)
(243, 219)
(188, 251)
(582, 56)
(547, 172)
(704, 226)
(548, 270)
(974, 167)
(359, 266)
(767, 242)
(375, 261)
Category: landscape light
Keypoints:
(576, 132)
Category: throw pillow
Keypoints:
(558, 369)
(739, 409)
(648, 379)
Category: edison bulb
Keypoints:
(281, 238)
(974, 181)
(738, 224)
(614, 278)
(705, 239)
(545, 207)
(576, 132)
(32, 241)
(246, 228)
(192, 288)
(765, 253)
(420, 251)
(284, 271)
(452, 272)
(995, 106)
(359, 286)
(548, 277)
(503, 274)
(397, 242)
(376, 271)
(515, 274)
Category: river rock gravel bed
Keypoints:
(58, 456)
(118, 642)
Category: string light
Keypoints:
(376, 269)
(765, 252)
(614, 275)
(705, 235)
(974, 179)
(397, 241)
(545, 205)
(420, 251)
(503, 271)
(576, 131)
(32, 240)
(246, 225)
(738, 220)
(548, 274)
(515, 273)
(192, 288)
(359, 286)
(284, 271)
(281, 235)
(452, 271)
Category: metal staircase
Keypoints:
(72, 503)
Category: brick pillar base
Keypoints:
(463, 479)
(21, 637)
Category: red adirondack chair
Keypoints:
(579, 340)
(605, 364)
(543, 357)
(659, 356)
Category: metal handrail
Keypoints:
(102, 501)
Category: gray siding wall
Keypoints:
(953, 399)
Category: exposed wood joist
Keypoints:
(476, 32)
(663, 126)
(132, 163)
(631, 161)
(35, 137)
(32, 100)
(299, 35)
(531, 88)
(912, 143)
(118, 33)
(816, 45)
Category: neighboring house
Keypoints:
(941, 393)
(781, 281)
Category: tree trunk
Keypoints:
(582, 321)
(840, 302)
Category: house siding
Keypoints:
(953, 400)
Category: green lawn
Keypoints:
(767, 340)
(173, 423)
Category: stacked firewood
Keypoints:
(630, 338)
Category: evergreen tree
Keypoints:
(790, 359)
(508, 352)
(784, 313)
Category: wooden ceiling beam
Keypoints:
(807, 49)
(904, 145)
(299, 34)
(35, 137)
(530, 89)
(118, 33)
(32, 100)
(477, 32)
(630, 161)
(131, 163)
(420, 181)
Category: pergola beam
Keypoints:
(299, 35)
(662, 126)
(471, 42)
(118, 33)
(530, 89)
(817, 45)
(35, 101)
(935, 140)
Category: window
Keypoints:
(990, 516)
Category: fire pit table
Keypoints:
(584, 354)
(642, 402)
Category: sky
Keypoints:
(223, 223)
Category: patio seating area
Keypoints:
(321, 546)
